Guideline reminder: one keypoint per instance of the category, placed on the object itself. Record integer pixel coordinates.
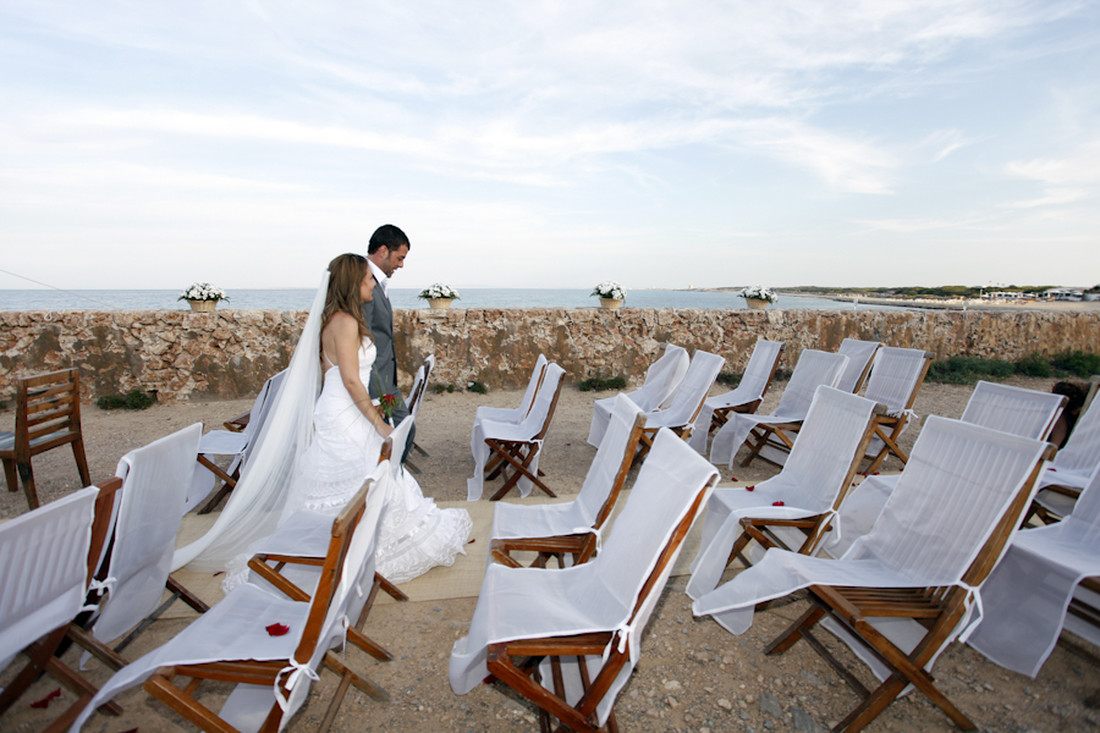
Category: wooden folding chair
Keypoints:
(513, 450)
(416, 398)
(61, 547)
(662, 379)
(686, 404)
(47, 416)
(896, 378)
(583, 647)
(860, 357)
(743, 399)
(555, 530)
(1069, 472)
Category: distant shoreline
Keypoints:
(955, 304)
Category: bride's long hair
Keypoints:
(346, 273)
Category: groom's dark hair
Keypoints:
(387, 236)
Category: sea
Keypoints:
(403, 298)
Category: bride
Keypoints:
(315, 451)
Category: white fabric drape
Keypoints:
(515, 415)
(43, 569)
(526, 430)
(809, 484)
(685, 405)
(750, 389)
(1026, 596)
(1074, 464)
(155, 482)
(255, 505)
(662, 379)
(524, 603)
(814, 368)
(859, 355)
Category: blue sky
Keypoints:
(551, 144)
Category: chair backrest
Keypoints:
(963, 487)
(688, 400)
(814, 368)
(662, 379)
(43, 569)
(156, 478)
(859, 355)
(613, 459)
(420, 385)
(1081, 453)
(261, 410)
(47, 412)
(828, 448)
(760, 370)
(896, 377)
(1015, 410)
(1085, 518)
(538, 418)
(538, 374)
(1090, 394)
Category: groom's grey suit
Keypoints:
(379, 316)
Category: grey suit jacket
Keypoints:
(379, 316)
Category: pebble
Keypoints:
(725, 704)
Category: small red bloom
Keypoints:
(472, 541)
(777, 503)
(751, 488)
(733, 478)
(277, 629)
(45, 702)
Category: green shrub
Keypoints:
(598, 384)
(730, 379)
(1076, 363)
(134, 400)
(969, 369)
(476, 387)
(1035, 365)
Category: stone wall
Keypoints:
(229, 353)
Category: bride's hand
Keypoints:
(384, 430)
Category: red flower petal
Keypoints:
(472, 541)
(277, 629)
(751, 488)
(777, 503)
(733, 478)
(45, 702)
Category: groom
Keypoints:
(385, 255)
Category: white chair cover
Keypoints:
(515, 415)
(423, 374)
(1013, 410)
(1074, 464)
(662, 379)
(256, 503)
(155, 482)
(1026, 596)
(525, 430)
(958, 483)
(44, 569)
(688, 400)
(751, 388)
(547, 520)
(814, 368)
(235, 629)
(809, 484)
(524, 603)
(229, 443)
(859, 355)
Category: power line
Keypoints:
(108, 306)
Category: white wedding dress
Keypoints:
(415, 535)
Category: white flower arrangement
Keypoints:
(203, 291)
(610, 289)
(439, 290)
(759, 292)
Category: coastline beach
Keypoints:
(693, 675)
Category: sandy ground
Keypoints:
(693, 675)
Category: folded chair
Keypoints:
(860, 355)
(814, 368)
(50, 554)
(684, 407)
(416, 398)
(792, 509)
(143, 539)
(47, 416)
(662, 379)
(512, 450)
(270, 646)
(1071, 469)
(229, 443)
(1025, 412)
(516, 415)
(573, 529)
(288, 559)
(896, 378)
(1030, 597)
(568, 639)
(908, 588)
(745, 398)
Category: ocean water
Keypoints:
(403, 298)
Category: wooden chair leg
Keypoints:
(26, 476)
(10, 474)
(81, 462)
(394, 592)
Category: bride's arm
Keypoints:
(345, 333)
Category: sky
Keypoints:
(542, 144)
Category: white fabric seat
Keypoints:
(1026, 598)
(587, 512)
(1015, 410)
(662, 379)
(814, 368)
(859, 353)
(1072, 466)
(528, 430)
(602, 595)
(745, 397)
(813, 482)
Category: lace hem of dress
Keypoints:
(437, 539)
